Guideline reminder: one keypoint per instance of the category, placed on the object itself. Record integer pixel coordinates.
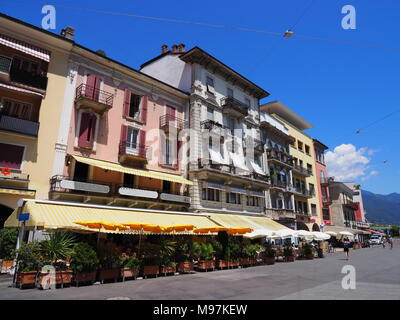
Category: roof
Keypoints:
(97, 54)
(278, 108)
(320, 144)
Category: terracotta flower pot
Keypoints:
(205, 265)
(108, 274)
(185, 266)
(233, 264)
(26, 278)
(151, 270)
(62, 278)
(85, 277)
(221, 264)
(128, 273)
(6, 266)
(290, 258)
(269, 260)
(245, 262)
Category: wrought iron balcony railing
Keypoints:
(278, 155)
(236, 105)
(30, 79)
(18, 125)
(169, 121)
(134, 149)
(301, 170)
(85, 91)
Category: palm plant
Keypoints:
(59, 246)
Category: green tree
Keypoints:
(8, 242)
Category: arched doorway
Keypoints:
(302, 226)
(5, 212)
(315, 227)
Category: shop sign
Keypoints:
(84, 186)
(174, 198)
(23, 217)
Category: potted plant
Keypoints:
(308, 251)
(57, 251)
(167, 251)
(288, 253)
(221, 254)
(8, 241)
(206, 255)
(130, 267)
(84, 262)
(151, 260)
(184, 256)
(28, 260)
(109, 267)
(269, 254)
(234, 253)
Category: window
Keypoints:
(210, 85)
(11, 156)
(210, 114)
(17, 109)
(131, 140)
(247, 102)
(233, 197)
(87, 130)
(313, 209)
(166, 187)
(134, 106)
(253, 201)
(309, 168)
(211, 194)
(25, 65)
(221, 147)
(300, 145)
(230, 93)
(325, 214)
(129, 180)
(168, 158)
(307, 148)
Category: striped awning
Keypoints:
(25, 47)
(14, 88)
(255, 223)
(17, 192)
(138, 172)
(61, 216)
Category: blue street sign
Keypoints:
(23, 217)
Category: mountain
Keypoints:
(382, 209)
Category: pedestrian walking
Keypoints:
(390, 240)
(346, 245)
(383, 243)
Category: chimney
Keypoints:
(101, 52)
(68, 33)
(174, 48)
(181, 47)
(164, 48)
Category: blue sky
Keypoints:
(338, 88)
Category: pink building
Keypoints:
(123, 140)
(323, 182)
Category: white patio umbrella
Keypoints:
(303, 233)
(320, 235)
(346, 233)
(331, 233)
(284, 233)
(259, 233)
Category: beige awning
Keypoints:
(25, 47)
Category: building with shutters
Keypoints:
(303, 178)
(33, 75)
(226, 151)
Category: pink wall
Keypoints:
(319, 166)
(109, 130)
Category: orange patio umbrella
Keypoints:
(178, 228)
(239, 230)
(210, 229)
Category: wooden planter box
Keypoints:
(221, 264)
(108, 274)
(5, 266)
(253, 261)
(167, 269)
(309, 256)
(185, 267)
(26, 278)
(151, 270)
(245, 262)
(62, 278)
(233, 264)
(269, 260)
(128, 273)
(205, 265)
(290, 259)
(85, 277)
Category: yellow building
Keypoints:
(303, 175)
(33, 76)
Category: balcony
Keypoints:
(17, 125)
(234, 107)
(134, 151)
(98, 100)
(326, 201)
(168, 122)
(29, 79)
(280, 157)
(325, 181)
(279, 184)
(14, 180)
(303, 192)
(214, 127)
(350, 204)
(302, 171)
(5, 65)
(256, 144)
(280, 213)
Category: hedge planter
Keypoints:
(108, 274)
(6, 266)
(44, 279)
(205, 265)
(84, 277)
(167, 269)
(151, 271)
(269, 260)
(26, 279)
(184, 267)
(128, 273)
(221, 264)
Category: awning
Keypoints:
(25, 47)
(373, 231)
(138, 172)
(60, 216)
(257, 168)
(255, 223)
(18, 192)
(238, 161)
(14, 88)
(338, 229)
(215, 156)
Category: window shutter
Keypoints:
(127, 102)
(163, 159)
(142, 142)
(93, 130)
(11, 156)
(90, 85)
(83, 131)
(143, 112)
(178, 147)
(124, 133)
